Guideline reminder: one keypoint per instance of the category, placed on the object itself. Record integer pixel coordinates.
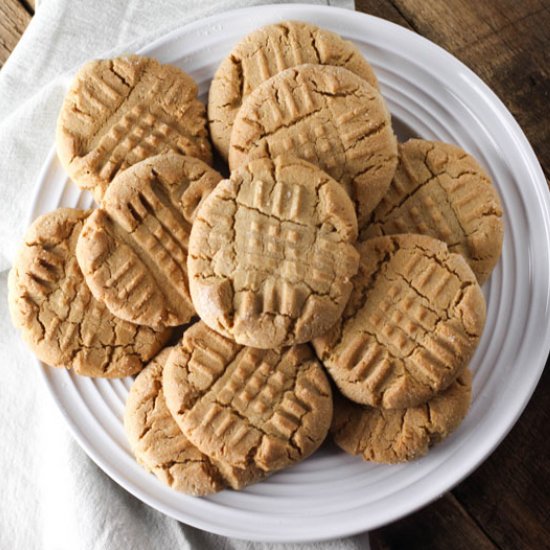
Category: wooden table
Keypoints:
(505, 503)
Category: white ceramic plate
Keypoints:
(431, 95)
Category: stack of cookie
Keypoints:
(330, 283)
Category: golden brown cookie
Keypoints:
(328, 116)
(441, 191)
(59, 318)
(412, 323)
(246, 407)
(123, 110)
(399, 435)
(133, 250)
(271, 253)
(266, 52)
(160, 446)
(157, 442)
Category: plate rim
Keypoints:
(483, 451)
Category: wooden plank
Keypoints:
(13, 21)
(506, 43)
(384, 9)
(442, 524)
(509, 494)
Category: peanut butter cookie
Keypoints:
(271, 253)
(413, 322)
(246, 407)
(441, 191)
(133, 250)
(59, 318)
(328, 116)
(160, 447)
(266, 52)
(123, 110)
(399, 435)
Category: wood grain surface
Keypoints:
(505, 503)
(14, 18)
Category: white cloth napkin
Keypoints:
(53, 496)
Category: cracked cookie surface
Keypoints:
(441, 191)
(133, 250)
(325, 115)
(60, 320)
(160, 447)
(412, 323)
(123, 110)
(271, 253)
(266, 52)
(246, 407)
(399, 435)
